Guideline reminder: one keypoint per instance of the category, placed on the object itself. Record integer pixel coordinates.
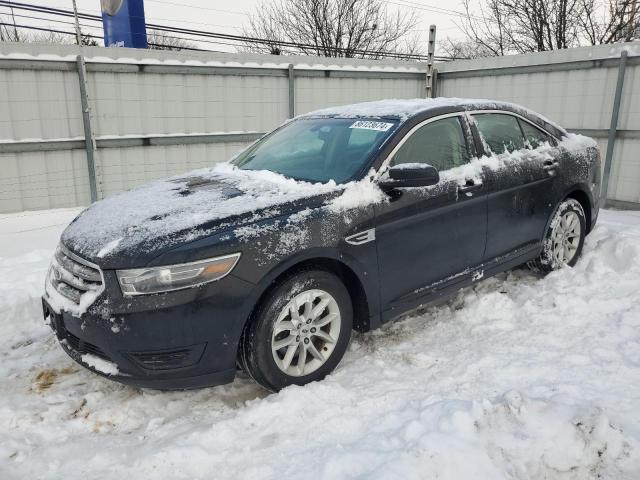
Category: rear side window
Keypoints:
(441, 144)
(534, 137)
(501, 132)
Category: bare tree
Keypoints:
(463, 49)
(521, 26)
(17, 34)
(487, 29)
(8, 31)
(620, 22)
(161, 40)
(331, 28)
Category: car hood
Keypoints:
(130, 229)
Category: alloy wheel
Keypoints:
(565, 238)
(305, 332)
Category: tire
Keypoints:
(564, 238)
(291, 317)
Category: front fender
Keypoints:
(326, 256)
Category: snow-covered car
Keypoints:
(340, 219)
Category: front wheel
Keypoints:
(300, 331)
(563, 239)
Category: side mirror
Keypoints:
(410, 175)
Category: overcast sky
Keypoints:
(229, 16)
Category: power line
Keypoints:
(53, 30)
(84, 25)
(428, 8)
(432, 9)
(148, 17)
(66, 32)
(243, 39)
(198, 7)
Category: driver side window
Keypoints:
(441, 144)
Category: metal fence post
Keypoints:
(292, 92)
(90, 145)
(613, 127)
(435, 87)
(430, 53)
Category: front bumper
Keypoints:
(178, 340)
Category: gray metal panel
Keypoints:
(314, 93)
(41, 145)
(541, 68)
(624, 184)
(151, 103)
(128, 141)
(630, 107)
(125, 168)
(40, 180)
(13, 64)
(574, 99)
(39, 104)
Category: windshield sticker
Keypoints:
(368, 125)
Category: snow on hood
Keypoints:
(176, 209)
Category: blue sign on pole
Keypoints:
(123, 23)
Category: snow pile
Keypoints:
(519, 377)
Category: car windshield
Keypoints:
(318, 149)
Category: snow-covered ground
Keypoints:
(518, 377)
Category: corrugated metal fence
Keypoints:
(153, 114)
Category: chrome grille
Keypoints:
(72, 276)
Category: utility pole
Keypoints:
(75, 15)
(430, 53)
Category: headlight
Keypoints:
(141, 281)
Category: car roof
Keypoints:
(407, 109)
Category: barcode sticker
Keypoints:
(368, 125)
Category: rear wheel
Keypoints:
(300, 331)
(564, 238)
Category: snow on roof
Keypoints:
(403, 109)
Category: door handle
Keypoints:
(550, 165)
(469, 187)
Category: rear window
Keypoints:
(501, 132)
(534, 137)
